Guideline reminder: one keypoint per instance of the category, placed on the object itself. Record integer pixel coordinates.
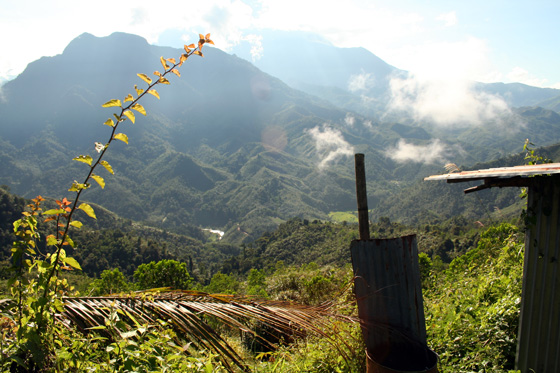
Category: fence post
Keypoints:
(389, 296)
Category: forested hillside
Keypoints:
(471, 277)
(231, 147)
(238, 150)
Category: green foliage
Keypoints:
(256, 283)
(222, 284)
(36, 286)
(165, 273)
(531, 157)
(319, 354)
(121, 248)
(111, 282)
(10, 210)
(145, 348)
(308, 284)
(472, 308)
(343, 216)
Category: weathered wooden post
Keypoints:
(361, 196)
(389, 296)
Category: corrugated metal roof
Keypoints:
(502, 172)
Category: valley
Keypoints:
(230, 146)
(263, 154)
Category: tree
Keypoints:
(256, 283)
(165, 273)
(111, 281)
(222, 283)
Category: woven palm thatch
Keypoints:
(192, 314)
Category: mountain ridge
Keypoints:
(227, 146)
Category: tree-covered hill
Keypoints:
(228, 146)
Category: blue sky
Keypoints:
(491, 40)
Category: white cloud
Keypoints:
(255, 41)
(445, 102)
(349, 120)
(45, 29)
(360, 82)
(441, 89)
(396, 32)
(330, 145)
(406, 152)
(520, 75)
(465, 59)
(448, 19)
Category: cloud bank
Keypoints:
(445, 102)
(442, 91)
(330, 145)
(434, 152)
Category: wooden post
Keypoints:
(361, 195)
(389, 296)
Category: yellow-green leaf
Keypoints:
(61, 256)
(109, 122)
(53, 212)
(112, 103)
(154, 93)
(129, 98)
(51, 240)
(138, 90)
(107, 166)
(88, 210)
(84, 159)
(163, 80)
(99, 180)
(139, 108)
(76, 224)
(163, 63)
(145, 78)
(69, 241)
(76, 187)
(72, 262)
(122, 137)
(130, 115)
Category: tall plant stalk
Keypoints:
(38, 299)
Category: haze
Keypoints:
(487, 41)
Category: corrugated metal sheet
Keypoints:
(390, 305)
(502, 172)
(538, 345)
(538, 348)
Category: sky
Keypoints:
(481, 40)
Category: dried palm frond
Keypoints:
(191, 314)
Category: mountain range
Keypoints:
(244, 145)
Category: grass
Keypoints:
(343, 216)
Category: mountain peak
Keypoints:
(87, 41)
